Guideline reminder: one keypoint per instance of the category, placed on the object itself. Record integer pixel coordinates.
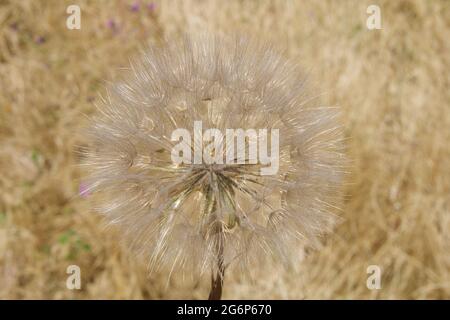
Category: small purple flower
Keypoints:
(39, 39)
(83, 190)
(111, 24)
(135, 7)
(14, 26)
(151, 6)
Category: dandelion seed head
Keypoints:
(179, 215)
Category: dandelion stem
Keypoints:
(217, 280)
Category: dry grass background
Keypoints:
(392, 86)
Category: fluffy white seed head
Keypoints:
(183, 215)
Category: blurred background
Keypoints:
(392, 85)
